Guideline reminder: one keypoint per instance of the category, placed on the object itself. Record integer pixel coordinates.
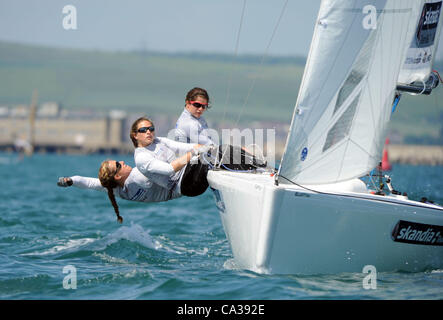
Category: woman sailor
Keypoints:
(191, 127)
(118, 178)
(167, 162)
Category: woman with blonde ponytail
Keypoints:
(119, 179)
(107, 179)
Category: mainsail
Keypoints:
(345, 98)
(421, 52)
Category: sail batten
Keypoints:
(347, 90)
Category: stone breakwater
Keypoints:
(415, 154)
(404, 154)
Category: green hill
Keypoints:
(145, 81)
(155, 83)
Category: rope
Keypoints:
(418, 94)
(438, 74)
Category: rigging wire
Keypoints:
(265, 54)
(237, 44)
(436, 101)
(228, 90)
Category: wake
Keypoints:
(134, 234)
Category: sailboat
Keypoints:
(316, 215)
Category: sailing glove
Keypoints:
(64, 182)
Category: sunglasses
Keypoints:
(199, 105)
(118, 166)
(145, 129)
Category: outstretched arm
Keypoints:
(81, 182)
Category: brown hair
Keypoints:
(134, 129)
(106, 177)
(196, 92)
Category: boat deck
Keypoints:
(354, 188)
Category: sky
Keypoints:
(209, 26)
(163, 25)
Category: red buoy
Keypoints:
(385, 165)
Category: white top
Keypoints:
(154, 161)
(136, 188)
(190, 129)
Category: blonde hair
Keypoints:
(106, 177)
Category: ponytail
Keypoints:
(114, 204)
(106, 177)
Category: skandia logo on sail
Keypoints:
(417, 233)
(427, 26)
(431, 17)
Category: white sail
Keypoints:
(421, 53)
(345, 99)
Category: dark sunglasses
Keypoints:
(198, 105)
(118, 166)
(145, 129)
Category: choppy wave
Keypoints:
(134, 234)
(437, 271)
(69, 245)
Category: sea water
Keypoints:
(65, 243)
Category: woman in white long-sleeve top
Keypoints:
(118, 178)
(191, 127)
(165, 162)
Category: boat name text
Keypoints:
(417, 233)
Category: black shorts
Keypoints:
(194, 181)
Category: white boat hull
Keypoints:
(286, 229)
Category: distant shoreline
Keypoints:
(397, 154)
(415, 154)
(405, 154)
